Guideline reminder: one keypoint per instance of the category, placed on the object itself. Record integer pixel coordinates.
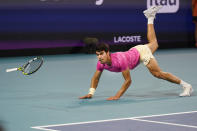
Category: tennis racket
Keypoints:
(30, 67)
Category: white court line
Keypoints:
(189, 112)
(132, 118)
(44, 129)
(166, 123)
(77, 123)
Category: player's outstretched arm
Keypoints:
(125, 86)
(94, 84)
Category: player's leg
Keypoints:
(157, 72)
(153, 44)
(149, 59)
(151, 36)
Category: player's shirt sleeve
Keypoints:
(99, 66)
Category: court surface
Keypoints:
(48, 100)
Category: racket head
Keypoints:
(32, 66)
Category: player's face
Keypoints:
(102, 56)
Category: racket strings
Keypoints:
(32, 66)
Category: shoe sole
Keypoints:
(152, 10)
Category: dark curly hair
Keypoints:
(102, 47)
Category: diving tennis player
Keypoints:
(126, 61)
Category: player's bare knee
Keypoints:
(129, 81)
(158, 74)
(156, 44)
(153, 46)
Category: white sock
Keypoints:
(151, 20)
(184, 84)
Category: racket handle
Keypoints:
(13, 69)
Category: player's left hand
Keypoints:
(113, 98)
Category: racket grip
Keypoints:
(13, 69)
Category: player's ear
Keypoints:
(107, 52)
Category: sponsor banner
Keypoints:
(127, 39)
(68, 26)
(169, 6)
(99, 2)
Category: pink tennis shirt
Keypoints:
(121, 61)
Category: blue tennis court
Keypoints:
(48, 99)
(176, 121)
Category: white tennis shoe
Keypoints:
(152, 11)
(187, 91)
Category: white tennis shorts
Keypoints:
(145, 53)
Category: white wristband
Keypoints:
(92, 91)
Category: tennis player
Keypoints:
(126, 61)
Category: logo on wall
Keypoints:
(169, 6)
(99, 2)
(127, 39)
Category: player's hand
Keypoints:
(88, 96)
(113, 98)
